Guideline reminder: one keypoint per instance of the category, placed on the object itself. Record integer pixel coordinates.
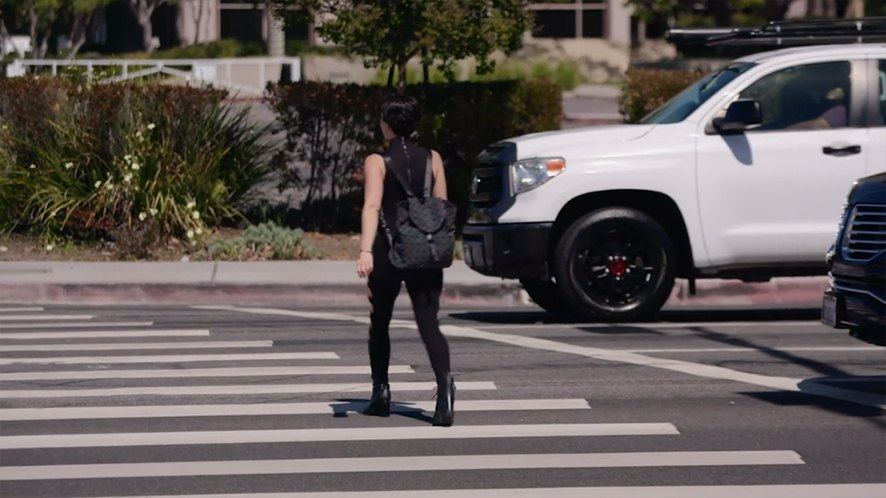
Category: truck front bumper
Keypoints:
(517, 250)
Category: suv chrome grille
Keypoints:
(865, 233)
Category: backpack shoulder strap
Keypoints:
(390, 168)
(428, 175)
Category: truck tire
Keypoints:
(546, 294)
(615, 264)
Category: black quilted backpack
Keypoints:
(425, 235)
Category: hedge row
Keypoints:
(330, 128)
(645, 90)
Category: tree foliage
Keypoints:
(389, 33)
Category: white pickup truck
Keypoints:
(742, 175)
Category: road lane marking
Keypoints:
(74, 325)
(21, 310)
(183, 373)
(695, 369)
(134, 346)
(132, 439)
(755, 491)
(176, 411)
(78, 360)
(400, 464)
(232, 390)
(40, 318)
(799, 349)
(91, 334)
(650, 325)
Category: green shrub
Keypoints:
(114, 160)
(564, 74)
(212, 50)
(263, 242)
(645, 90)
(331, 128)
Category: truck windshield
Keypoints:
(687, 101)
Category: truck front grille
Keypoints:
(865, 232)
(486, 189)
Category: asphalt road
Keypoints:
(148, 401)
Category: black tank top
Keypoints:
(409, 161)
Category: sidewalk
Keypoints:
(317, 283)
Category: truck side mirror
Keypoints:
(741, 115)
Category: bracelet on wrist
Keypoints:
(367, 252)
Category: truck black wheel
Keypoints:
(546, 294)
(615, 264)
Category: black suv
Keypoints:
(856, 298)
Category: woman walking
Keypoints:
(406, 159)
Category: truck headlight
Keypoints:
(528, 174)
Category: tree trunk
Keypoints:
(775, 10)
(721, 12)
(142, 10)
(401, 83)
(78, 32)
(198, 19)
(33, 20)
(391, 75)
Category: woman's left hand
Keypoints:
(364, 265)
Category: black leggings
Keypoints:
(424, 287)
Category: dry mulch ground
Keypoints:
(17, 247)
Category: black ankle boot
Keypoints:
(444, 414)
(380, 404)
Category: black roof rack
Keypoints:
(788, 33)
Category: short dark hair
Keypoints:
(401, 113)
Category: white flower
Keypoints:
(199, 231)
(109, 185)
(128, 158)
(195, 215)
(50, 247)
(151, 126)
(32, 167)
(135, 166)
(142, 216)
(69, 165)
(98, 184)
(127, 177)
(190, 234)
(191, 204)
(153, 211)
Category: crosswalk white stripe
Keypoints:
(230, 390)
(92, 334)
(755, 491)
(132, 439)
(134, 346)
(73, 325)
(41, 318)
(200, 372)
(76, 360)
(401, 464)
(168, 411)
(651, 325)
(20, 310)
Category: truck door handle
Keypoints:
(842, 151)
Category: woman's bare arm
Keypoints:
(439, 176)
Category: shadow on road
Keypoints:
(343, 408)
(526, 317)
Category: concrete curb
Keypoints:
(788, 293)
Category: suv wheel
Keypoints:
(615, 264)
(546, 294)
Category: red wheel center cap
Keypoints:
(618, 267)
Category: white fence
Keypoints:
(246, 76)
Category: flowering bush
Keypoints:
(114, 160)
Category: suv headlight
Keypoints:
(528, 174)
